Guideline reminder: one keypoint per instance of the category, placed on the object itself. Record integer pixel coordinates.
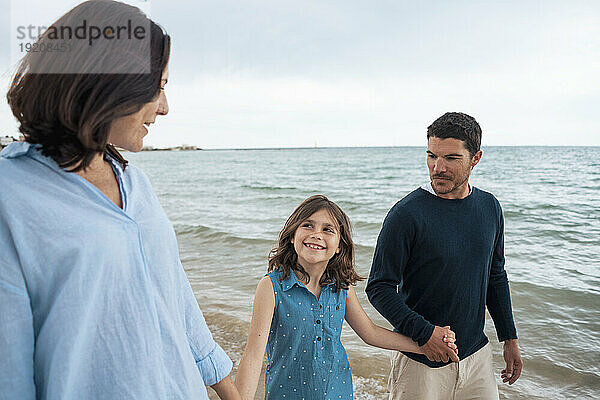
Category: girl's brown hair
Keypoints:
(340, 268)
(70, 113)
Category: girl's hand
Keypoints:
(450, 339)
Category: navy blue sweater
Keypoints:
(440, 262)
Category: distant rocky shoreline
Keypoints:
(184, 147)
(6, 140)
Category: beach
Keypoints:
(228, 206)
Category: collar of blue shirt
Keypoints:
(20, 149)
(292, 280)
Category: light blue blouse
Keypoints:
(94, 302)
(306, 357)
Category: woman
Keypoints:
(94, 302)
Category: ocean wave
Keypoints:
(206, 235)
(544, 294)
(509, 214)
(269, 188)
(363, 248)
(369, 388)
(371, 226)
(567, 235)
(209, 235)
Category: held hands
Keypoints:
(440, 346)
(450, 340)
(514, 364)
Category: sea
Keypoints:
(228, 206)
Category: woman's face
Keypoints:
(128, 132)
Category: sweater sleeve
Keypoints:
(498, 294)
(384, 287)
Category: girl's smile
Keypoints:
(316, 240)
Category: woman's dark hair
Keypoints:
(66, 100)
(459, 126)
(340, 267)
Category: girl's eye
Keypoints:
(330, 230)
(306, 225)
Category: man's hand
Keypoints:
(514, 364)
(436, 349)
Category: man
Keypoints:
(439, 261)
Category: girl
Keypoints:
(299, 308)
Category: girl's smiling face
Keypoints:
(316, 240)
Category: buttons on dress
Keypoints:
(308, 317)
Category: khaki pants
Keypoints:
(471, 378)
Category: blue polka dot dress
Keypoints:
(306, 358)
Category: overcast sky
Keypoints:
(369, 73)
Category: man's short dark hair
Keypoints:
(457, 125)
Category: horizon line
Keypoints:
(351, 147)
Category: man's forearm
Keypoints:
(498, 292)
(500, 307)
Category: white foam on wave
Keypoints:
(369, 388)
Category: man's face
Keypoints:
(450, 165)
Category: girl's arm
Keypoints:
(375, 335)
(226, 390)
(248, 371)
